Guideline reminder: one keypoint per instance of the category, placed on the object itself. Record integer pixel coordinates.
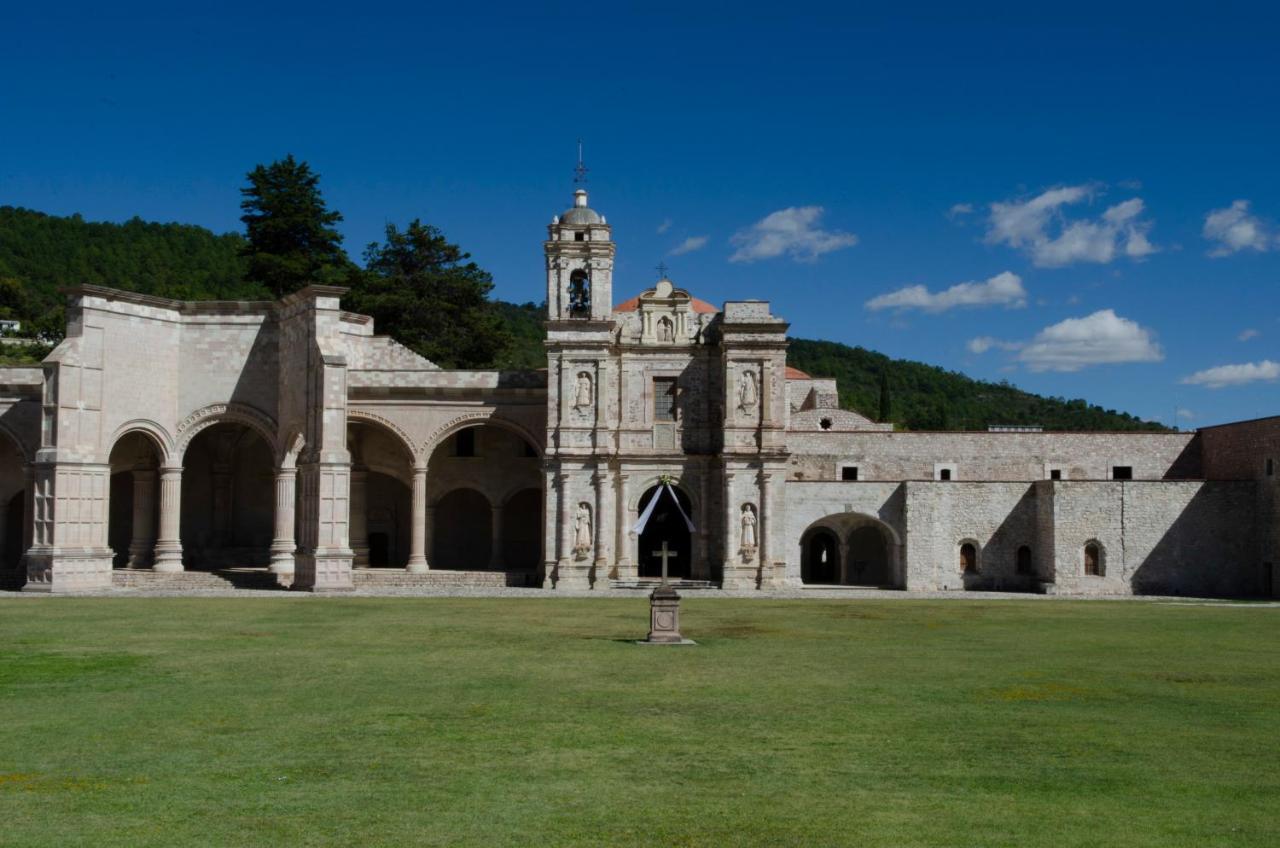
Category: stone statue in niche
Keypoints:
(748, 531)
(665, 331)
(582, 530)
(583, 396)
(748, 393)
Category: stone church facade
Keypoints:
(164, 439)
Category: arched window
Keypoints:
(1024, 560)
(968, 558)
(579, 291)
(1093, 559)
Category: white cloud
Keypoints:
(1098, 339)
(689, 245)
(1004, 289)
(664, 226)
(1101, 338)
(960, 209)
(792, 231)
(982, 344)
(1040, 228)
(1234, 375)
(1185, 413)
(1234, 230)
(1250, 333)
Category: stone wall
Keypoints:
(993, 456)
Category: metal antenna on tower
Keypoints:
(580, 172)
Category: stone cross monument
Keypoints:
(664, 608)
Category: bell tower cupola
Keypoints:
(579, 251)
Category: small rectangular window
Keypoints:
(1271, 466)
(944, 474)
(465, 442)
(664, 398)
(1055, 474)
(849, 472)
(1122, 472)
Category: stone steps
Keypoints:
(649, 584)
(193, 581)
(397, 578)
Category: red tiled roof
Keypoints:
(698, 305)
(796, 374)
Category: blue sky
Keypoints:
(1107, 177)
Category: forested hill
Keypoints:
(925, 397)
(39, 254)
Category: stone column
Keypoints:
(29, 513)
(168, 542)
(495, 539)
(601, 541)
(766, 523)
(418, 533)
(564, 544)
(359, 518)
(622, 521)
(282, 541)
(843, 552)
(144, 493)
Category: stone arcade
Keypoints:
(165, 439)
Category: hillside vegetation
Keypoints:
(40, 254)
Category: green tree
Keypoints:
(292, 240)
(423, 291)
(885, 413)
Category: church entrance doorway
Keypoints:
(666, 524)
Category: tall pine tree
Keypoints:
(292, 240)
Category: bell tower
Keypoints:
(579, 251)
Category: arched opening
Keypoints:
(381, 502)
(1023, 564)
(13, 496)
(464, 531)
(821, 563)
(388, 520)
(522, 531)
(579, 292)
(134, 508)
(666, 526)
(487, 462)
(868, 558)
(1093, 560)
(968, 558)
(228, 498)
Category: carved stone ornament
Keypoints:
(748, 392)
(582, 531)
(749, 521)
(583, 395)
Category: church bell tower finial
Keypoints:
(579, 251)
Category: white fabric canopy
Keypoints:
(653, 501)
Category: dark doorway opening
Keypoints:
(821, 559)
(665, 525)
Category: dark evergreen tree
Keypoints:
(885, 412)
(423, 291)
(292, 240)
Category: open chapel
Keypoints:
(286, 443)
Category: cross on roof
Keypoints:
(661, 268)
(580, 171)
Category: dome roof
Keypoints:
(581, 213)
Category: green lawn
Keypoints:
(532, 722)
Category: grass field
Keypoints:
(532, 722)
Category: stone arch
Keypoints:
(391, 428)
(218, 413)
(665, 524)
(156, 433)
(474, 419)
(133, 508)
(642, 486)
(27, 452)
(852, 529)
(228, 495)
(820, 561)
(1099, 554)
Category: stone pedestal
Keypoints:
(664, 618)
